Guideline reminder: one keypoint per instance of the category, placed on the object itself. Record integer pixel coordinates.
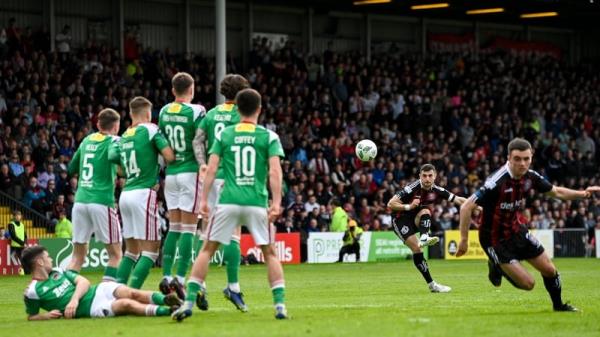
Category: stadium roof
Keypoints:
(571, 13)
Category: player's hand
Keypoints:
(71, 309)
(463, 247)
(202, 172)
(415, 203)
(591, 190)
(54, 314)
(274, 212)
(204, 209)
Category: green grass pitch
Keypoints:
(379, 299)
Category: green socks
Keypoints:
(193, 287)
(278, 294)
(110, 274)
(185, 253)
(142, 269)
(169, 249)
(158, 298)
(126, 266)
(232, 256)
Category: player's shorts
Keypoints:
(226, 219)
(182, 191)
(97, 219)
(139, 212)
(404, 227)
(103, 299)
(521, 246)
(213, 199)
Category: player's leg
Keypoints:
(107, 230)
(82, 232)
(343, 252)
(219, 230)
(506, 255)
(127, 201)
(189, 199)
(263, 234)
(169, 248)
(356, 251)
(146, 297)
(423, 223)
(125, 306)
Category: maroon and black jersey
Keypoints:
(502, 197)
(428, 198)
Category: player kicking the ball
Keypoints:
(67, 294)
(250, 154)
(414, 204)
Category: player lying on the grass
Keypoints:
(66, 294)
(414, 205)
(503, 232)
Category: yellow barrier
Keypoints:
(451, 240)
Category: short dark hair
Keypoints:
(247, 100)
(336, 202)
(427, 167)
(519, 144)
(181, 82)
(232, 84)
(107, 118)
(139, 104)
(30, 254)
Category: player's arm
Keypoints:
(74, 163)
(82, 285)
(465, 220)
(209, 178)
(199, 145)
(45, 316)
(396, 204)
(459, 200)
(569, 194)
(275, 178)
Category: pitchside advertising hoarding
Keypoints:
(597, 238)
(287, 247)
(374, 246)
(452, 238)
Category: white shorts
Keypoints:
(139, 213)
(100, 220)
(226, 218)
(213, 198)
(182, 191)
(103, 299)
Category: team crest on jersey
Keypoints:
(55, 276)
(404, 230)
(174, 108)
(245, 127)
(430, 197)
(97, 137)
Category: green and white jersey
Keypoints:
(55, 293)
(97, 174)
(216, 120)
(245, 150)
(138, 153)
(178, 122)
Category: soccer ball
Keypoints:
(366, 150)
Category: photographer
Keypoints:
(351, 241)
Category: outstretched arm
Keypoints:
(569, 194)
(45, 316)
(465, 220)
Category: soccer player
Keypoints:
(94, 210)
(250, 154)
(503, 233)
(138, 153)
(180, 122)
(414, 204)
(216, 120)
(66, 294)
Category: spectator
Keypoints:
(351, 241)
(35, 196)
(63, 41)
(64, 227)
(339, 219)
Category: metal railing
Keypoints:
(36, 224)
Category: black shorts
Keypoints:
(521, 246)
(17, 251)
(404, 227)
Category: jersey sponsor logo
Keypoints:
(404, 230)
(97, 137)
(130, 132)
(245, 127)
(509, 206)
(60, 290)
(174, 108)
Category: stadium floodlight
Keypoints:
(485, 11)
(371, 2)
(430, 6)
(538, 15)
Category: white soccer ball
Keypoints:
(366, 150)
